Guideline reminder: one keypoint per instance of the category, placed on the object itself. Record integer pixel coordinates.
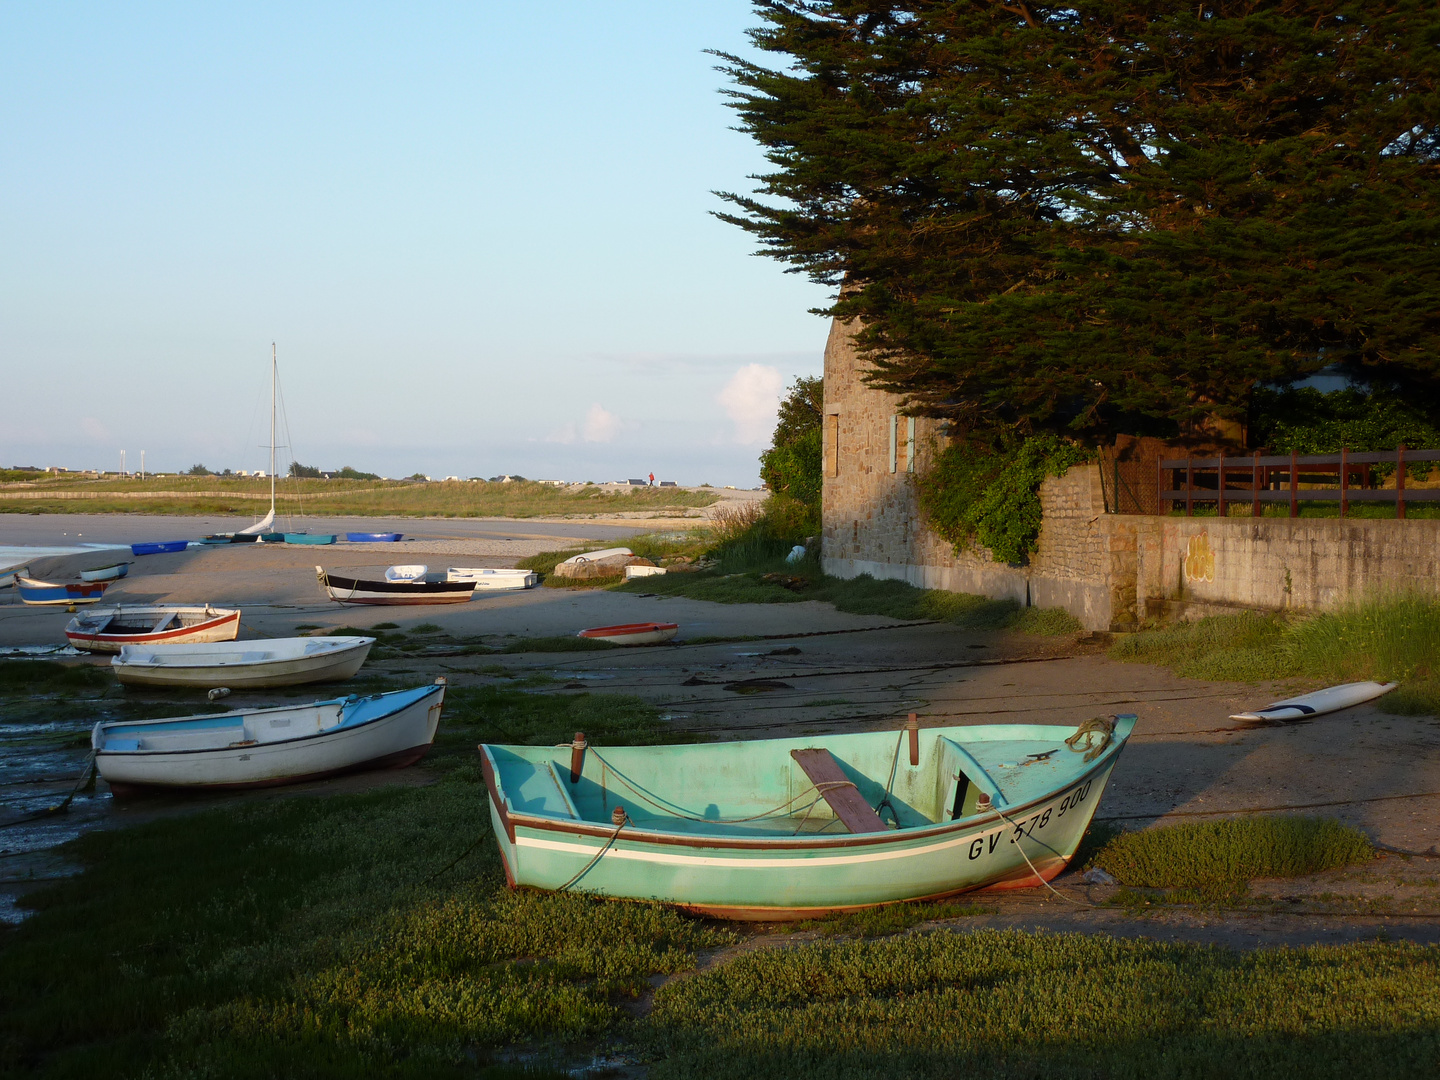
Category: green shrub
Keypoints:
(1226, 854)
(991, 495)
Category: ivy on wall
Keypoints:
(990, 496)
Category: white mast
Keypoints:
(273, 376)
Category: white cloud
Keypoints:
(600, 424)
(752, 398)
(95, 430)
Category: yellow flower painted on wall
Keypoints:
(1199, 559)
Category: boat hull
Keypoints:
(159, 547)
(720, 830)
(392, 741)
(632, 633)
(487, 580)
(221, 625)
(393, 593)
(772, 882)
(309, 538)
(372, 538)
(330, 666)
(46, 594)
(105, 573)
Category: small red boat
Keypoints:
(642, 633)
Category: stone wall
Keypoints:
(1111, 571)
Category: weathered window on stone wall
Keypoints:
(832, 445)
(894, 439)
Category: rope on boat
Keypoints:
(624, 820)
(1104, 726)
(1030, 864)
(889, 784)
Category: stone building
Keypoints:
(1113, 571)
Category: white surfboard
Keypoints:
(1329, 700)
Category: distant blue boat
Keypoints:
(47, 593)
(159, 547)
(372, 538)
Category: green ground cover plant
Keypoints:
(190, 495)
(1386, 638)
(1006, 1004)
(1218, 859)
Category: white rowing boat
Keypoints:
(265, 747)
(108, 629)
(487, 580)
(1329, 700)
(243, 664)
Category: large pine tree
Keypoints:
(1106, 216)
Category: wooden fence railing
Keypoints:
(1258, 479)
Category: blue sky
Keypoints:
(478, 233)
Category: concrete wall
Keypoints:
(1111, 571)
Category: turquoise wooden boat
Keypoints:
(795, 828)
(309, 538)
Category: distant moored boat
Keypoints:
(243, 664)
(373, 538)
(51, 594)
(309, 538)
(347, 590)
(159, 547)
(113, 572)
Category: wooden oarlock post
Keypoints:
(912, 725)
(577, 756)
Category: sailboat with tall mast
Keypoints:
(266, 523)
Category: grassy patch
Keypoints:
(1015, 1005)
(1219, 858)
(48, 676)
(863, 595)
(365, 934)
(1383, 638)
(555, 645)
(374, 498)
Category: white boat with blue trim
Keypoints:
(266, 747)
(795, 828)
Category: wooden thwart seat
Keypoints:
(838, 790)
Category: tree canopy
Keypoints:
(792, 464)
(1108, 215)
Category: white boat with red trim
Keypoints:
(647, 633)
(266, 747)
(795, 828)
(109, 629)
